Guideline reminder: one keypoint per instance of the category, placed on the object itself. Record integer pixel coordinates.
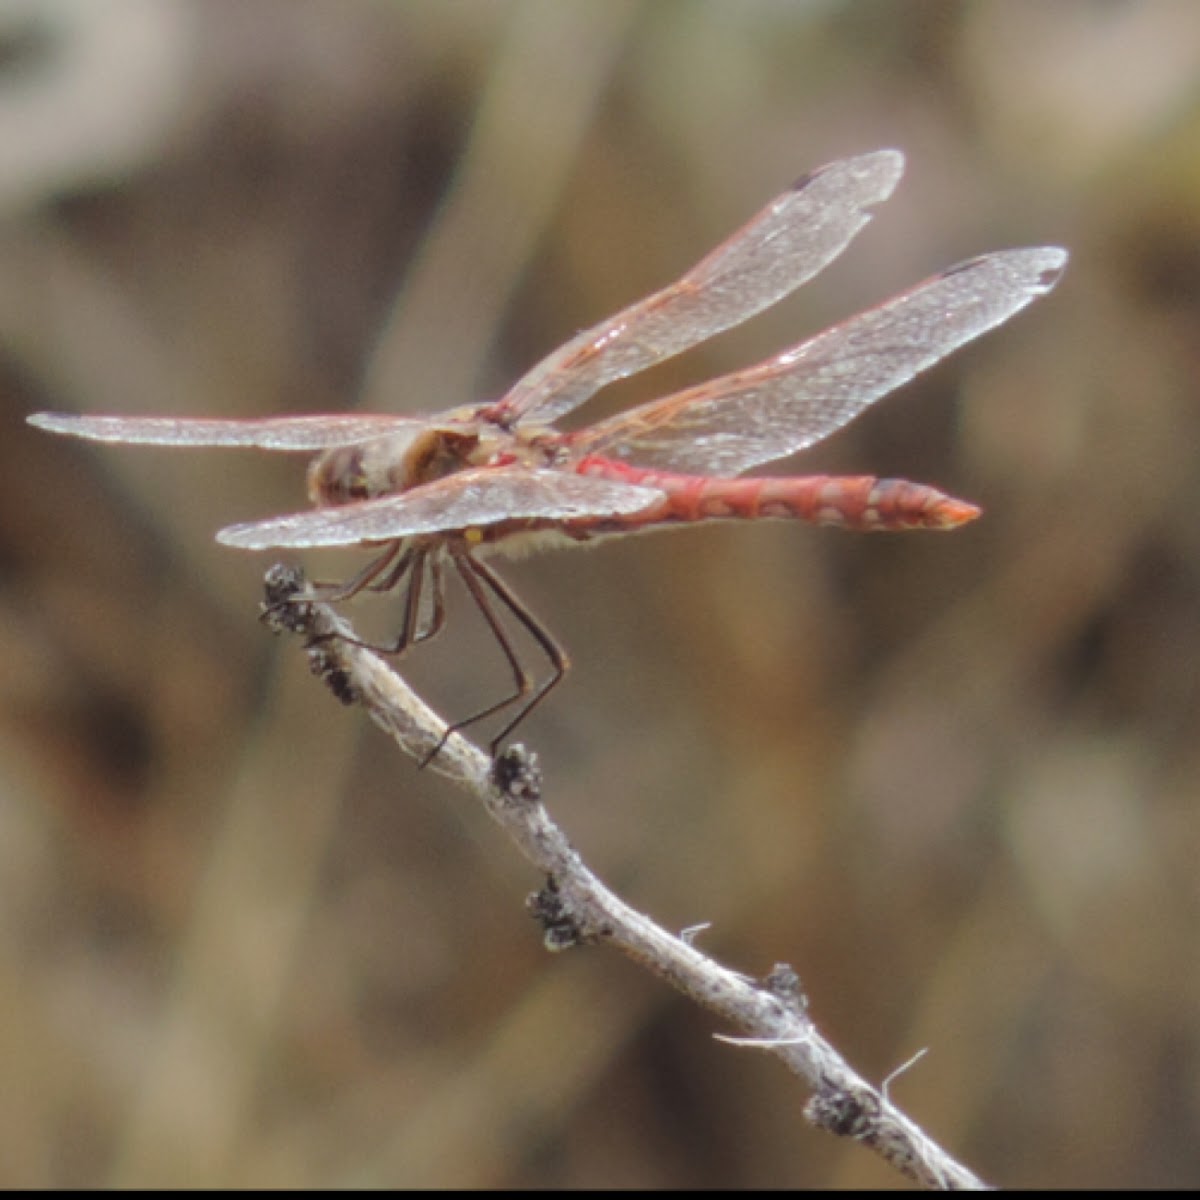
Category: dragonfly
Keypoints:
(455, 489)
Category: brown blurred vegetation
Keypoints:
(953, 780)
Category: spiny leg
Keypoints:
(335, 593)
(560, 661)
(411, 563)
(383, 574)
(411, 632)
(395, 576)
(521, 677)
(476, 576)
(368, 577)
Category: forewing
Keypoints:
(265, 433)
(791, 401)
(796, 235)
(468, 499)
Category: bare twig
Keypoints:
(575, 907)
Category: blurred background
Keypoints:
(954, 780)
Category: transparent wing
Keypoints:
(468, 499)
(796, 235)
(797, 398)
(266, 433)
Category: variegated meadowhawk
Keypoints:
(499, 478)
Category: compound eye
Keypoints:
(338, 477)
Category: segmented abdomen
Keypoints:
(860, 502)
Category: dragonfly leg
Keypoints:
(413, 563)
(479, 580)
(438, 599)
(334, 593)
(383, 574)
(368, 577)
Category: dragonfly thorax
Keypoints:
(387, 465)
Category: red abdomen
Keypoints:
(851, 501)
